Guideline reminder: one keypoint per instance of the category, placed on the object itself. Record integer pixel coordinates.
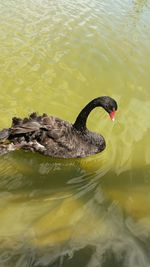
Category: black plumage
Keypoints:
(54, 137)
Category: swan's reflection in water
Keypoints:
(98, 221)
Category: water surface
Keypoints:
(55, 57)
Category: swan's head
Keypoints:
(110, 105)
(106, 102)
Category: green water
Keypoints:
(55, 56)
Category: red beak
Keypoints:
(112, 115)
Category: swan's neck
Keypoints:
(80, 123)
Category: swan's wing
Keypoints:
(52, 127)
(60, 140)
(56, 128)
(26, 128)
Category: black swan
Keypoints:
(54, 137)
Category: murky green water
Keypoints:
(55, 56)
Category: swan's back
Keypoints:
(51, 136)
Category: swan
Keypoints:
(55, 137)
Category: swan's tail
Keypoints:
(6, 148)
(5, 145)
(4, 134)
(22, 134)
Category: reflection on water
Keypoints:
(56, 56)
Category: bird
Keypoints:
(54, 137)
